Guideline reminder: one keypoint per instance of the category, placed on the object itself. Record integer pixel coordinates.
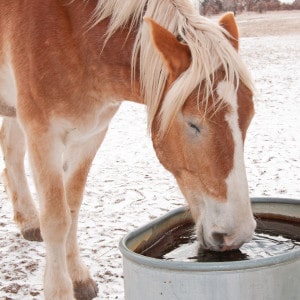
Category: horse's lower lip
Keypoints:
(229, 248)
(213, 248)
(220, 248)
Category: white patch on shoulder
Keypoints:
(8, 91)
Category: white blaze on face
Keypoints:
(238, 173)
(237, 185)
(233, 217)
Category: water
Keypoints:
(272, 237)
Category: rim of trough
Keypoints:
(288, 257)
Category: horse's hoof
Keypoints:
(85, 290)
(33, 234)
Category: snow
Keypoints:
(287, 1)
(273, 144)
(127, 187)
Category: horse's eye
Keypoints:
(179, 38)
(195, 127)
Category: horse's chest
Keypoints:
(88, 124)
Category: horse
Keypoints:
(66, 66)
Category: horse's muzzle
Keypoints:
(220, 241)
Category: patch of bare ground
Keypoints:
(273, 23)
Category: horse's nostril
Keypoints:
(218, 237)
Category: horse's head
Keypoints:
(203, 145)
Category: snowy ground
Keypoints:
(127, 186)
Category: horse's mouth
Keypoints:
(206, 244)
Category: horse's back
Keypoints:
(54, 56)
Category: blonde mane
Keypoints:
(209, 50)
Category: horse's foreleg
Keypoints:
(45, 152)
(13, 148)
(78, 159)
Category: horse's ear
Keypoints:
(175, 55)
(227, 21)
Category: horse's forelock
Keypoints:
(209, 48)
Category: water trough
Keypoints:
(271, 278)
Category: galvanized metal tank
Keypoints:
(272, 278)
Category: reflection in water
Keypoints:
(272, 237)
(210, 256)
(261, 246)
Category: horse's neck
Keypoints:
(109, 64)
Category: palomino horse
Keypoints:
(65, 67)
